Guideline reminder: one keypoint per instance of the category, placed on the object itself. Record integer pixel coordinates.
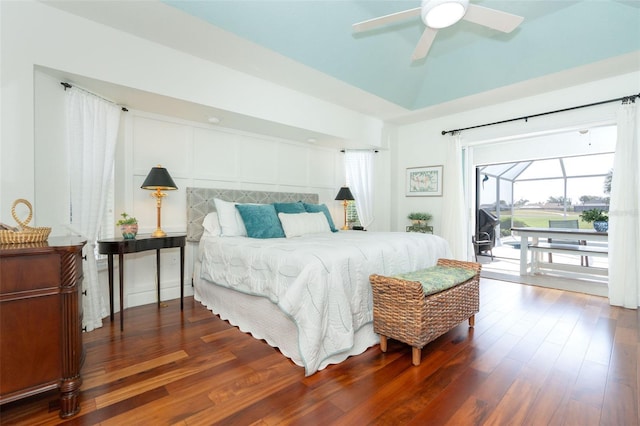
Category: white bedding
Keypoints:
(319, 281)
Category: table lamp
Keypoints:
(159, 180)
(345, 196)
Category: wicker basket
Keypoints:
(25, 233)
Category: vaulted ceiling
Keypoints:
(309, 46)
(465, 59)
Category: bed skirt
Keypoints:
(264, 320)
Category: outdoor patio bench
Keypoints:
(572, 249)
(532, 248)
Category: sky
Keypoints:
(539, 191)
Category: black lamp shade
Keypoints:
(344, 194)
(159, 178)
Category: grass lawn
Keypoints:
(540, 218)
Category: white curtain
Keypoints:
(624, 213)
(359, 167)
(92, 131)
(454, 218)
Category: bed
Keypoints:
(305, 293)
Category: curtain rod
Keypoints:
(375, 151)
(68, 86)
(631, 98)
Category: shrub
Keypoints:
(594, 215)
(419, 216)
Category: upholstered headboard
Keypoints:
(200, 202)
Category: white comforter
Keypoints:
(321, 281)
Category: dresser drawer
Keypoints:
(26, 273)
(31, 332)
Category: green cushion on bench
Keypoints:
(438, 278)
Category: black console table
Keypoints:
(121, 246)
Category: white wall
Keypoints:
(64, 42)
(195, 154)
(206, 156)
(33, 160)
(51, 199)
(422, 144)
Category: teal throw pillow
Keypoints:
(297, 207)
(261, 220)
(315, 208)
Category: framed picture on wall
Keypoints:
(424, 181)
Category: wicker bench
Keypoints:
(401, 311)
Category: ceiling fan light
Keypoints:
(443, 13)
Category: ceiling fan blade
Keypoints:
(384, 20)
(424, 44)
(492, 18)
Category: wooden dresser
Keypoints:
(41, 320)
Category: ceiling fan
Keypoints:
(437, 14)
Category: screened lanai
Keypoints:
(530, 194)
(563, 185)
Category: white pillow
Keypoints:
(211, 224)
(231, 223)
(297, 224)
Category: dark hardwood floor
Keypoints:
(536, 356)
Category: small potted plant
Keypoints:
(419, 218)
(128, 225)
(599, 218)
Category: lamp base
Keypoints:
(159, 233)
(345, 203)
